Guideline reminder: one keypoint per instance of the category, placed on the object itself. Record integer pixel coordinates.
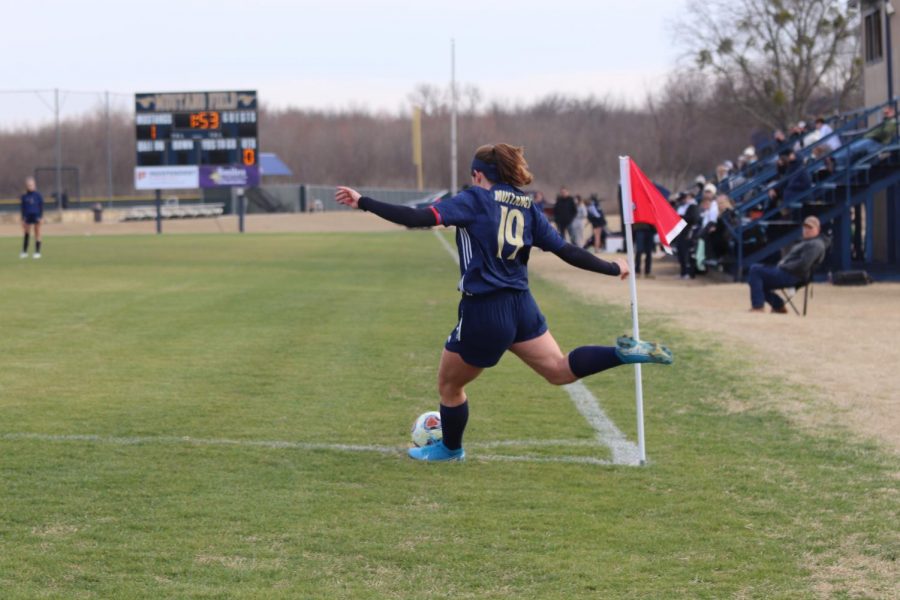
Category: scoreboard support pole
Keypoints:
(242, 208)
(158, 212)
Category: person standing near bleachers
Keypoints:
(564, 213)
(643, 249)
(32, 205)
(598, 225)
(690, 212)
(580, 220)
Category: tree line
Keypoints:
(568, 141)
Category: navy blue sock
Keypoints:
(453, 423)
(588, 360)
(25, 244)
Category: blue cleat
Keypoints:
(626, 341)
(632, 351)
(437, 453)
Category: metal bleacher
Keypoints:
(759, 228)
(173, 210)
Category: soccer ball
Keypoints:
(427, 429)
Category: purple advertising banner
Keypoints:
(228, 176)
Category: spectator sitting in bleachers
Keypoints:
(709, 210)
(824, 131)
(873, 141)
(779, 138)
(753, 165)
(810, 137)
(826, 167)
(795, 180)
(796, 135)
(722, 174)
(737, 179)
(699, 182)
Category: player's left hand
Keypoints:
(347, 196)
(623, 267)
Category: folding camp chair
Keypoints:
(806, 285)
(792, 292)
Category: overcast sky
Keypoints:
(334, 53)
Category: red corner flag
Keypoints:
(650, 207)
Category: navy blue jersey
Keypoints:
(496, 229)
(32, 204)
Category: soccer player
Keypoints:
(496, 226)
(32, 213)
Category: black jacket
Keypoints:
(564, 210)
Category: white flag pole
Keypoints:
(627, 221)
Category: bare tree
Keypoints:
(775, 56)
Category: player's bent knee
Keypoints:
(561, 375)
(561, 378)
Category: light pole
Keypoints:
(59, 202)
(454, 169)
(888, 13)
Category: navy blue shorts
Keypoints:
(31, 219)
(489, 324)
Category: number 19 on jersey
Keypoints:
(511, 231)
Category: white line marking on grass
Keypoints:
(164, 440)
(584, 460)
(446, 245)
(168, 440)
(623, 451)
(534, 444)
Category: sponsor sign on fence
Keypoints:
(167, 178)
(229, 176)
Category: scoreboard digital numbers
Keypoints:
(196, 139)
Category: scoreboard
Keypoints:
(196, 139)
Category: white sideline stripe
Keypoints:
(585, 460)
(623, 451)
(607, 434)
(170, 439)
(285, 445)
(446, 245)
(534, 443)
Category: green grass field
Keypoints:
(142, 376)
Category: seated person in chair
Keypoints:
(792, 270)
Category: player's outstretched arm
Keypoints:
(401, 215)
(581, 258)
